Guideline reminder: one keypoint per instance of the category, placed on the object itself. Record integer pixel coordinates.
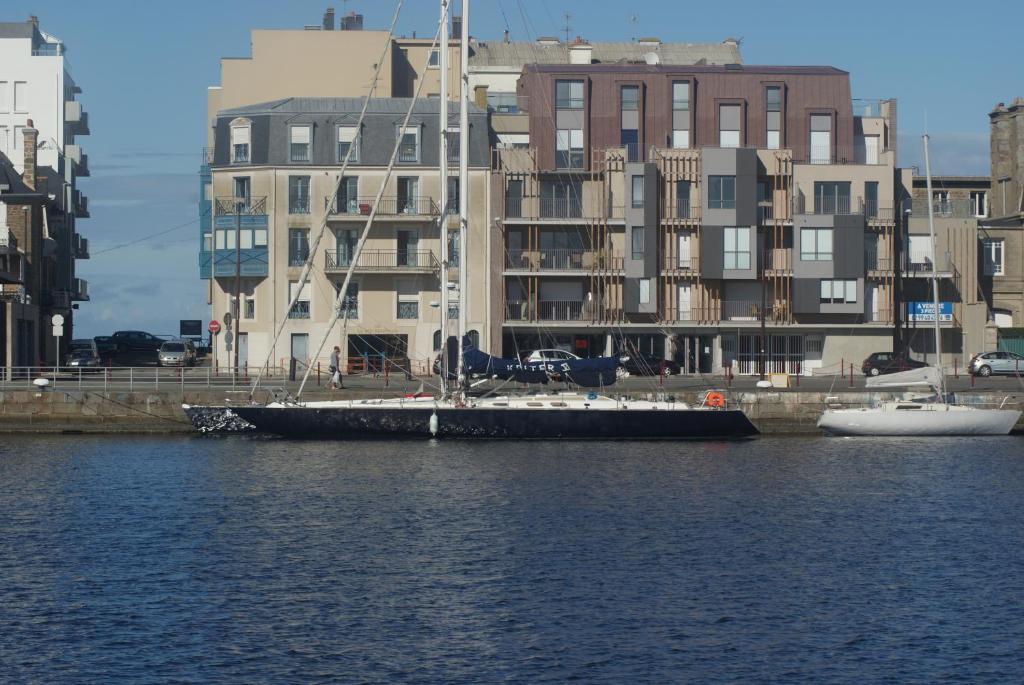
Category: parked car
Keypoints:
(177, 353)
(136, 341)
(991, 363)
(106, 346)
(880, 363)
(549, 356)
(82, 344)
(85, 358)
(642, 364)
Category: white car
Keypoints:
(549, 356)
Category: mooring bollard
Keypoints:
(851, 374)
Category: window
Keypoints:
(681, 114)
(20, 96)
(728, 125)
(569, 94)
(408, 299)
(408, 243)
(434, 59)
(630, 98)
(821, 139)
(243, 194)
(298, 246)
(18, 137)
(736, 243)
(453, 144)
(207, 237)
(683, 199)
(453, 194)
(629, 138)
(831, 197)
(561, 199)
(3, 96)
(569, 148)
(773, 107)
(348, 144)
(871, 199)
(637, 242)
(838, 292)
(299, 138)
(645, 291)
(300, 310)
(240, 144)
(979, 202)
(992, 256)
(638, 192)
(409, 149)
(408, 195)
(722, 192)
(816, 244)
(249, 307)
(765, 209)
(345, 241)
(453, 248)
(298, 194)
(348, 196)
(350, 303)
(504, 103)
(3, 137)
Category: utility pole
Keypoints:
(239, 203)
(764, 299)
(902, 221)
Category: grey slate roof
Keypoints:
(310, 105)
(15, 29)
(518, 54)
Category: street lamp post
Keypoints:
(239, 204)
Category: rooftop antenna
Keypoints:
(568, 27)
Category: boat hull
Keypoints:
(935, 420)
(483, 422)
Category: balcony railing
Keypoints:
(547, 310)
(947, 209)
(689, 263)
(382, 260)
(393, 205)
(922, 266)
(300, 310)
(562, 259)
(748, 310)
(832, 205)
(560, 208)
(249, 206)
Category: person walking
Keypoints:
(335, 368)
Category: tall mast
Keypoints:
(463, 182)
(935, 277)
(443, 194)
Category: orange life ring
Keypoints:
(714, 399)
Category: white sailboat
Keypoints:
(915, 417)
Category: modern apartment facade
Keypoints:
(38, 103)
(654, 201)
(273, 168)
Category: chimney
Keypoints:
(456, 27)
(480, 96)
(28, 174)
(329, 19)
(34, 20)
(580, 52)
(506, 36)
(352, 22)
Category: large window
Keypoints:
(298, 194)
(345, 241)
(736, 246)
(629, 120)
(816, 244)
(348, 196)
(350, 303)
(681, 114)
(630, 96)
(729, 126)
(979, 203)
(683, 199)
(645, 291)
(301, 309)
(992, 256)
(637, 242)
(838, 292)
(722, 192)
(569, 148)
(21, 96)
(299, 138)
(298, 246)
(240, 144)
(637, 192)
(871, 199)
(821, 139)
(561, 199)
(408, 200)
(242, 191)
(409, 148)
(569, 94)
(408, 299)
(831, 197)
(348, 143)
(773, 124)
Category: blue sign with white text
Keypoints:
(925, 311)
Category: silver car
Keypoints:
(997, 362)
(177, 353)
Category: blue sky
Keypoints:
(144, 68)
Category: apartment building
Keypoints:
(273, 168)
(673, 208)
(38, 103)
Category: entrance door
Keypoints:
(684, 250)
(683, 313)
(300, 347)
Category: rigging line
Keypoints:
(307, 267)
(343, 291)
(146, 237)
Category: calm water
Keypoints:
(261, 561)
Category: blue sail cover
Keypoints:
(587, 373)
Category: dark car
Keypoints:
(641, 364)
(881, 363)
(105, 346)
(136, 341)
(84, 359)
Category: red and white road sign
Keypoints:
(214, 327)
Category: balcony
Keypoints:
(750, 310)
(921, 267)
(562, 259)
(80, 205)
(57, 299)
(10, 268)
(76, 118)
(682, 264)
(834, 205)
(80, 291)
(252, 212)
(8, 241)
(251, 262)
(81, 247)
(549, 310)
(382, 261)
(393, 206)
(944, 209)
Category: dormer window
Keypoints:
(348, 144)
(299, 138)
(240, 135)
(409, 147)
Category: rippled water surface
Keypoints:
(264, 561)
